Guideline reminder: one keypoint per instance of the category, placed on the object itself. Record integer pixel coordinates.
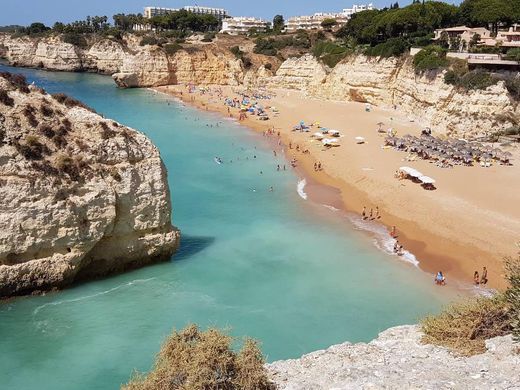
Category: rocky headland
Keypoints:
(81, 196)
(385, 82)
(398, 359)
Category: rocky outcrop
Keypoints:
(130, 64)
(151, 66)
(392, 83)
(81, 196)
(398, 360)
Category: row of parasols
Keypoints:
(451, 151)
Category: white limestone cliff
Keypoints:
(390, 83)
(81, 196)
(397, 359)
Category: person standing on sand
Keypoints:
(483, 279)
(364, 213)
(377, 212)
(393, 233)
(476, 278)
(371, 213)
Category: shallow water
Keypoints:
(270, 265)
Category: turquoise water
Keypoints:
(270, 265)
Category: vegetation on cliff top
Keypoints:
(464, 327)
(193, 359)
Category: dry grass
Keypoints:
(195, 360)
(513, 293)
(464, 327)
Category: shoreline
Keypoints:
(433, 250)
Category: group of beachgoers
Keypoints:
(372, 214)
(478, 280)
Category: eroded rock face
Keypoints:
(387, 83)
(130, 64)
(393, 82)
(80, 196)
(398, 360)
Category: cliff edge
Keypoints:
(398, 360)
(81, 196)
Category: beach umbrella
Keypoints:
(426, 180)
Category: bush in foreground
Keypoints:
(193, 360)
(464, 327)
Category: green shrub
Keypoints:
(329, 52)
(513, 292)
(513, 54)
(70, 101)
(172, 48)
(237, 52)
(393, 47)
(265, 47)
(513, 87)
(148, 40)
(192, 359)
(430, 58)
(75, 39)
(208, 37)
(17, 80)
(464, 327)
(451, 78)
(247, 62)
(5, 99)
(477, 80)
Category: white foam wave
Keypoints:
(300, 188)
(382, 239)
(332, 208)
(37, 310)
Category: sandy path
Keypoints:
(472, 219)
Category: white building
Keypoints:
(358, 8)
(313, 22)
(219, 13)
(242, 25)
(150, 12)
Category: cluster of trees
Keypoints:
(393, 30)
(184, 21)
(418, 19)
(492, 13)
(375, 26)
(92, 24)
(270, 46)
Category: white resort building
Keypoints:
(313, 22)
(242, 25)
(219, 13)
(358, 8)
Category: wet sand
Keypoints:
(472, 219)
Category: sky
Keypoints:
(24, 12)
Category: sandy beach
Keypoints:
(471, 221)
